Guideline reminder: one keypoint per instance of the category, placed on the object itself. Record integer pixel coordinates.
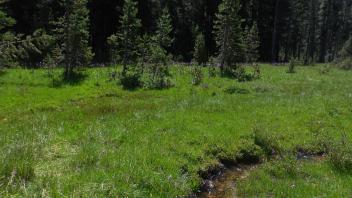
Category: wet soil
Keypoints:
(224, 186)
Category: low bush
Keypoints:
(256, 71)
(292, 66)
(325, 69)
(345, 64)
(156, 74)
(212, 68)
(130, 78)
(197, 75)
(249, 152)
(156, 77)
(212, 71)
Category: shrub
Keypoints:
(249, 152)
(256, 72)
(156, 74)
(292, 65)
(156, 77)
(346, 64)
(130, 78)
(325, 69)
(212, 69)
(241, 74)
(197, 75)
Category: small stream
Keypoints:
(225, 185)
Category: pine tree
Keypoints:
(200, 50)
(75, 31)
(163, 33)
(7, 40)
(229, 35)
(252, 44)
(124, 44)
(157, 72)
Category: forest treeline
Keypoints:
(308, 30)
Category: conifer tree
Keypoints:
(163, 33)
(157, 72)
(124, 44)
(200, 50)
(252, 44)
(75, 31)
(229, 35)
(7, 40)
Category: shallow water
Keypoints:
(226, 185)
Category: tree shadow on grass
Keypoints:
(236, 90)
(74, 79)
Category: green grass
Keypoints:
(91, 138)
(308, 179)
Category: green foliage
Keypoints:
(53, 60)
(345, 55)
(252, 43)
(229, 35)
(256, 71)
(325, 69)
(164, 30)
(130, 77)
(7, 39)
(292, 65)
(124, 44)
(197, 75)
(200, 50)
(74, 27)
(8, 49)
(346, 63)
(212, 68)
(156, 74)
(5, 21)
(242, 75)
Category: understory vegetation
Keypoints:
(90, 137)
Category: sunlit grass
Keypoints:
(91, 138)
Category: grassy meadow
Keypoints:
(91, 138)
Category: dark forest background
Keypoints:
(313, 30)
